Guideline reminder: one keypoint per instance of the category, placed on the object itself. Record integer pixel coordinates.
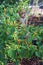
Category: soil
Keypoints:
(11, 63)
(32, 61)
(41, 63)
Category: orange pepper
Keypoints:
(18, 41)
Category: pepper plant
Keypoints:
(16, 40)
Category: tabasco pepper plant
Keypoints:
(16, 40)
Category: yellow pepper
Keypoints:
(35, 33)
(5, 10)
